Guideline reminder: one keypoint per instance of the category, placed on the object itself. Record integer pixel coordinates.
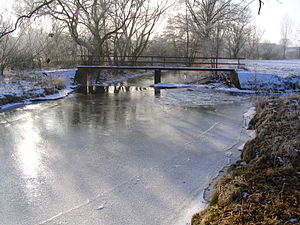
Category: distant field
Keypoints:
(282, 68)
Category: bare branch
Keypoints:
(260, 5)
(28, 16)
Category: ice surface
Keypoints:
(128, 153)
(199, 97)
(218, 87)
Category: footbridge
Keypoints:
(86, 73)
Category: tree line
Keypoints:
(55, 32)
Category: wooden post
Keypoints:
(157, 76)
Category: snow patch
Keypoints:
(29, 89)
(281, 75)
(256, 80)
(248, 116)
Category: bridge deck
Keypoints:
(158, 68)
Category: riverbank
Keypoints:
(263, 187)
(19, 88)
(24, 87)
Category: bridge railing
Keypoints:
(211, 62)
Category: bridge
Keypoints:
(86, 73)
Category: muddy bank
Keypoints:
(263, 187)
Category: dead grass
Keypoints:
(54, 81)
(266, 189)
(29, 85)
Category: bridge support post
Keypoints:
(157, 76)
(234, 79)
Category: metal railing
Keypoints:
(212, 62)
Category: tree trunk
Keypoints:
(2, 67)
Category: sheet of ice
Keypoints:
(168, 85)
(125, 152)
(199, 97)
(218, 87)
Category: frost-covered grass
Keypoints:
(278, 75)
(282, 68)
(18, 86)
(263, 187)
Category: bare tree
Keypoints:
(237, 35)
(134, 36)
(298, 41)
(8, 44)
(172, 41)
(34, 9)
(286, 32)
(211, 19)
(269, 50)
(102, 25)
(252, 46)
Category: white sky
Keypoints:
(269, 20)
(272, 14)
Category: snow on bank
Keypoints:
(261, 81)
(281, 68)
(259, 76)
(68, 75)
(32, 89)
(281, 75)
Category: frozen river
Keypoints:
(121, 156)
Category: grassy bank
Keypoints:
(264, 186)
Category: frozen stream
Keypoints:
(121, 156)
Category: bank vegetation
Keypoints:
(263, 187)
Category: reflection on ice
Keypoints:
(115, 89)
(28, 154)
(186, 97)
(29, 158)
(95, 146)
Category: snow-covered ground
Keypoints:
(282, 75)
(259, 75)
(36, 86)
(282, 68)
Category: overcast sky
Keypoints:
(272, 13)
